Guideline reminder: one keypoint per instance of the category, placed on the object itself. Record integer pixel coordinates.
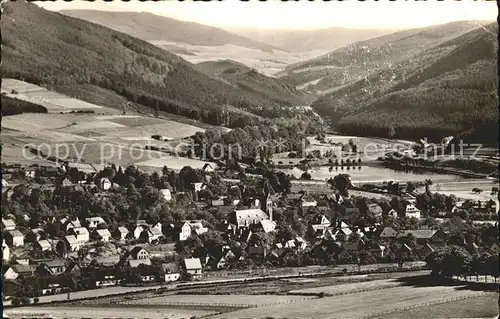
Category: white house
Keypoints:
(81, 234)
(72, 243)
(105, 183)
(138, 230)
(122, 233)
(8, 224)
(393, 213)
(308, 203)
(16, 238)
(44, 245)
(4, 183)
(5, 252)
(412, 211)
(167, 194)
(93, 222)
(153, 234)
(103, 235)
(182, 230)
(199, 186)
(193, 267)
(207, 167)
(69, 224)
(171, 272)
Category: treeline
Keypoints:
(13, 106)
(253, 142)
(85, 53)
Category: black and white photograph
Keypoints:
(250, 159)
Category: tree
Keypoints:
(449, 261)
(391, 132)
(494, 190)
(477, 190)
(341, 183)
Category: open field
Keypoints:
(243, 300)
(347, 288)
(355, 305)
(176, 163)
(52, 101)
(90, 312)
(268, 63)
(483, 306)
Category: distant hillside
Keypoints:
(148, 26)
(355, 61)
(326, 39)
(50, 49)
(449, 89)
(249, 79)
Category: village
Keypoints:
(66, 230)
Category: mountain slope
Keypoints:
(357, 60)
(447, 89)
(249, 79)
(51, 49)
(148, 26)
(326, 39)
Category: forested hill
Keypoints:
(148, 26)
(450, 89)
(357, 60)
(250, 80)
(53, 50)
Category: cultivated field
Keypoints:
(356, 305)
(52, 101)
(91, 312)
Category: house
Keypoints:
(35, 235)
(167, 195)
(393, 213)
(308, 202)
(64, 182)
(72, 243)
(43, 245)
(427, 249)
(377, 250)
(412, 211)
(50, 268)
(170, 272)
(199, 186)
(5, 183)
(247, 217)
(388, 233)
(152, 234)
(181, 231)
(8, 224)
(15, 238)
(16, 271)
(300, 243)
(139, 229)
(425, 236)
(135, 257)
(106, 277)
(256, 251)
(105, 183)
(139, 253)
(207, 167)
(121, 233)
(217, 202)
(5, 252)
(193, 267)
(102, 235)
(197, 227)
(93, 222)
(266, 225)
(68, 224)
(81, 234)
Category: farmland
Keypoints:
(102, 136)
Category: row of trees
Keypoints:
(456, 261)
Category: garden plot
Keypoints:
(239, 300)
(133, 120)
(356, 305)
(347, 288)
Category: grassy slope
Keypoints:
(360, 59)
(248, 79)
(148, 26)
(450, 89)
(44, 47)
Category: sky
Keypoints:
(302, 15)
